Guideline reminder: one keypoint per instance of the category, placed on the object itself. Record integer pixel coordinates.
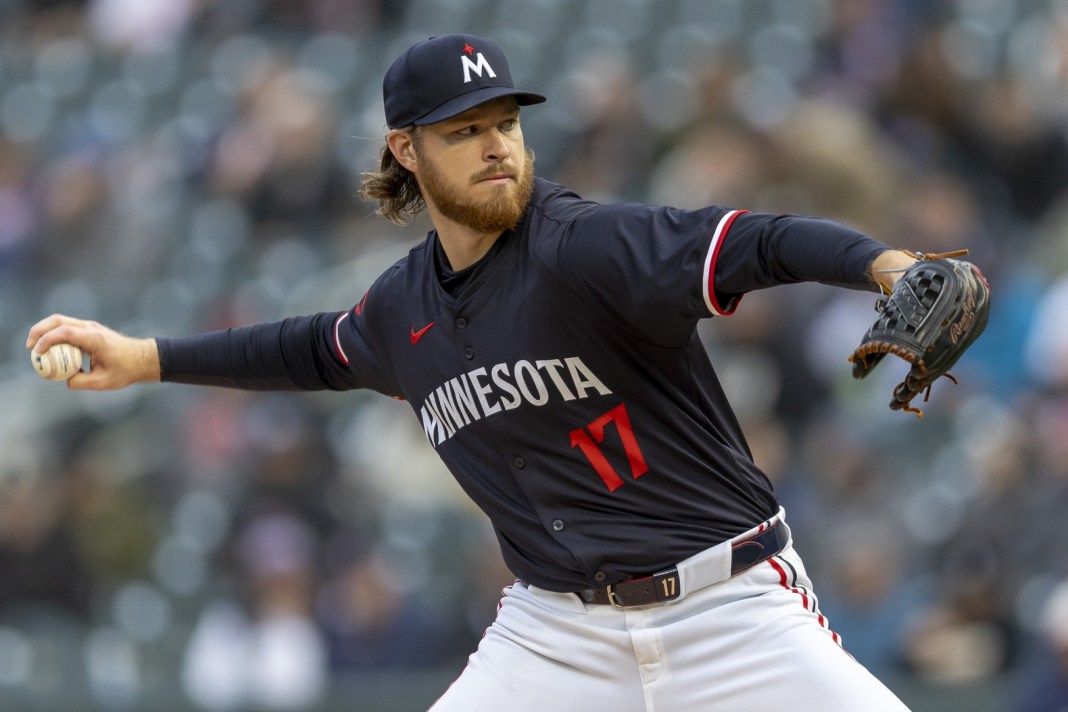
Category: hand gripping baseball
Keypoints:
(933, 313)
(115, 360)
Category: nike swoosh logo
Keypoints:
(416, 335)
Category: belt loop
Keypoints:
(668, 584)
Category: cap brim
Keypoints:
(472, 99)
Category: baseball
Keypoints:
(58, 363)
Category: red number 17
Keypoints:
(588, 443)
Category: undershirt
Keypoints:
(452, 281)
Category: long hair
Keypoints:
(394, 187)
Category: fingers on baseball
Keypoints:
(42, 327)
(60, 329)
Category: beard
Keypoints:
(501, 211)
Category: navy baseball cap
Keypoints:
(444, 76)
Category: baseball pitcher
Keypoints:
(547, 346)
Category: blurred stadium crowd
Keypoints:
(170, 166)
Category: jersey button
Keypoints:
(558, 525)
(600, 576)
(519, 462)
(469, 353)
(461, 323)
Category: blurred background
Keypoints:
(171, 166)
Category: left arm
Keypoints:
(659, 270)
(765, 250)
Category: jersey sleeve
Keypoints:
(360, 348)
(661, 269)
(654, 267)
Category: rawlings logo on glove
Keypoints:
(934, 312)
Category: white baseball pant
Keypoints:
(749, 643)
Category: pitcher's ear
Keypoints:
(402, 145)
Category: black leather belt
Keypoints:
(665, 586)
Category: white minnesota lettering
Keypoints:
(477, 394)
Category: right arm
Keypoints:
(294, 354)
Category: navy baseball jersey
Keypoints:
(561, 378)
